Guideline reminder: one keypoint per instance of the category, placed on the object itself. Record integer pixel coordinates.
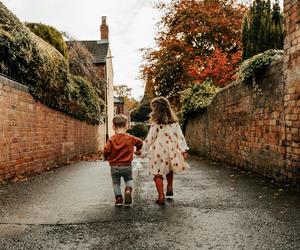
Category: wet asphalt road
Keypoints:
(214, 207)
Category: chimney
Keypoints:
(104, 29)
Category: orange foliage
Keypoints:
(196, 40)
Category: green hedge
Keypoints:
(45, 71)
(139, 130)
(50, 35)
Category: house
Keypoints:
(103, 60)
(121, 108)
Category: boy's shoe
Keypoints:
(128, 196)
(119, 201)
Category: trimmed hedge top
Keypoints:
(50, 35)
(45, 71)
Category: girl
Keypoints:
(167, 146)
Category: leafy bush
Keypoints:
(139, 130)
(81, 63)
(198, 97)
(257, 64)
(50, 35)
(141, 114)
(84, 101)
(45, 71)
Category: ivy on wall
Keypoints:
(257, 64)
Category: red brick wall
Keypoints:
(292, 85)
(261, 132)
(245, 129)
(34, 137)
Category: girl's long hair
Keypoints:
(162, 112)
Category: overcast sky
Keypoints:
(131, 24)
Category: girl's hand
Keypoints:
(185, 155)
(138, 153)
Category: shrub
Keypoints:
(50, 35)
(139, 130)
(257, 64)
(81, 64)
(45, 71)
(141, 114)
(84, 101)
(198, 97)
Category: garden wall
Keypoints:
(34, 137)
(261, 132)
(245, 129)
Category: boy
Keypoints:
(119, 151)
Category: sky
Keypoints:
(131, 26)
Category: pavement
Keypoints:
(214, 207)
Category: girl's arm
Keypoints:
(181, 140)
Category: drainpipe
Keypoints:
(106, 104)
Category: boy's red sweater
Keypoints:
(119, 149)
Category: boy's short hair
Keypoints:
(120, 121)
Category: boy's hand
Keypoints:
(185, 155)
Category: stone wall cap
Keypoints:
(13, 84)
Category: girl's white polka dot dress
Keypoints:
(166, 143)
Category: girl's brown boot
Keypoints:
(159, 183)
(170, 184)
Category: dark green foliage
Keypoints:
(84, 101)
(139, 130)
(50, 35)
(262, 28)
(45, 71)
(141, 114)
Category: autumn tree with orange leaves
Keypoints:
(197, 40)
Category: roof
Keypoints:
(98, 48)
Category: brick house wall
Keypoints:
(34, 137)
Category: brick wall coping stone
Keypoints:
(6, 81)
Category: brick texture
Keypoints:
(245, 129)
(260, 132)
(292, 85)
(34, 137)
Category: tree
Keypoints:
(124, 92)
(198, 40)
(262, 28)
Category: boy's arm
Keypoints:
(107, 150)
(138, 143)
